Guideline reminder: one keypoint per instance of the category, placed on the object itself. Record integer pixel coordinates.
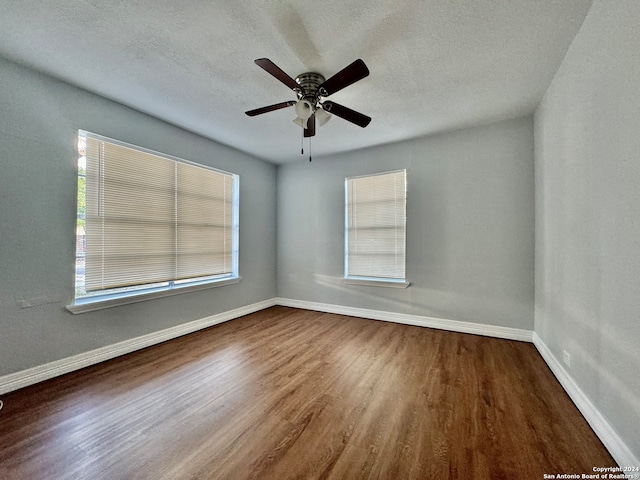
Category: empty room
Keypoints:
(320, 240)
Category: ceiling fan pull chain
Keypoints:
(302, 143)
(309, 149)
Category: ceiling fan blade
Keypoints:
(310, 131)
(349, 115)
(270, 108)
(277, 72)
(345, 77)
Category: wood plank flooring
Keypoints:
(294, 394)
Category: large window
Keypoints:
(150, 223)
(375, 229)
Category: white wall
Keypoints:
(587, 144)
(470, 226)
(39, 117)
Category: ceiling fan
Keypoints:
(311, 88)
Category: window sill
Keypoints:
(90, 305)
(376, 283)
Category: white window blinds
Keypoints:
(153, 219)
(375, 224)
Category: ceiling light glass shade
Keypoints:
(304, 109)
(302, 122)
(322, 117)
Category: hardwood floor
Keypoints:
(293, 394)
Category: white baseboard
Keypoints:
(416, 320)
(24, 378)
(617, 448)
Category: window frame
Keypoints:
(150, 291)
(372, 280)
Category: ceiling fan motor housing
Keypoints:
(309, 83)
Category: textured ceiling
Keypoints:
(435, 65)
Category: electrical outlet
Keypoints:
(566, 358)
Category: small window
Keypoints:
(375, 228)
(148, 222)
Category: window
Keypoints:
(375, 229)
(150, 223)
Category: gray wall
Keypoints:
(470, 226)
(471, 209)
(38, 122)
(587, 144)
